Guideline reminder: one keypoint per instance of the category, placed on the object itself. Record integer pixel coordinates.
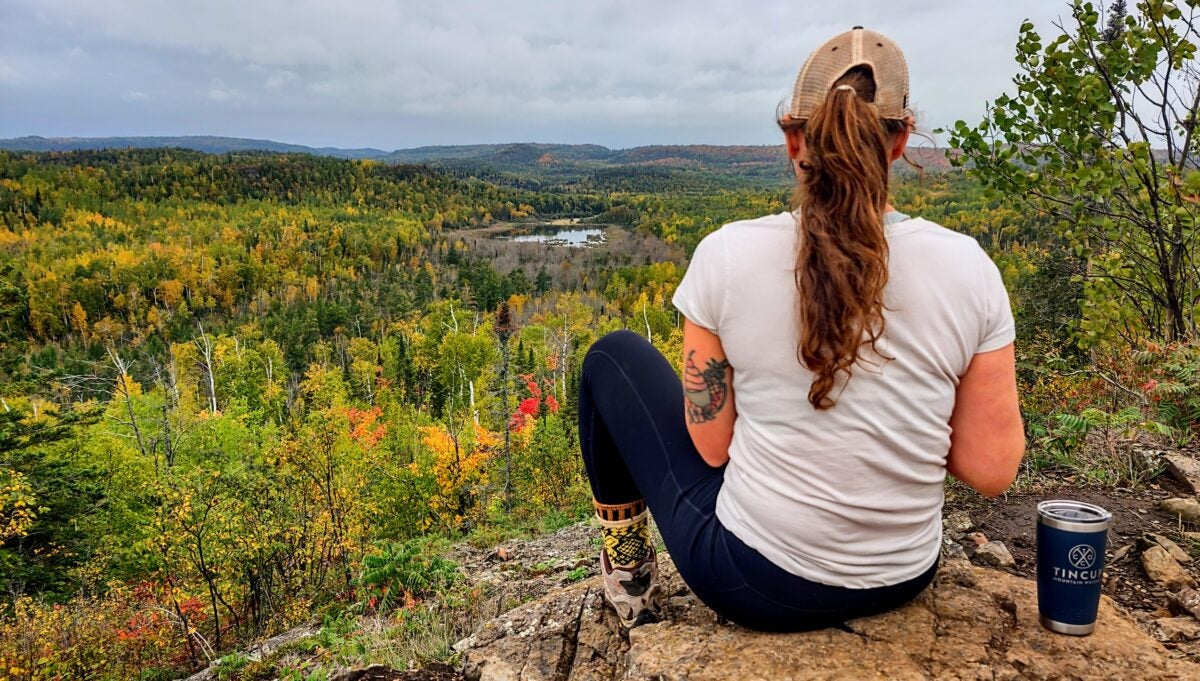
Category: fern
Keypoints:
(1171, 388)
(1072, 424)
(1145, 357)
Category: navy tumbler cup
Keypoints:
(1071, 539)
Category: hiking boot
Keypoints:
(633, 592)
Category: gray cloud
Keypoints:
(393, 73)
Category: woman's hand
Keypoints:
(708, 394)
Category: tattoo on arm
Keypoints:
(707, 390)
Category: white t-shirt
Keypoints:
(850, 496)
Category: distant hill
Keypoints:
(707, 154)
(206, 143)
(931, 159)
(531, 166)
(517, 153)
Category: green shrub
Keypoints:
(400, 568)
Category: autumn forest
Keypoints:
(245, 391)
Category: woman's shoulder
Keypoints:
(920, 233)
(923, 252)
(774, 222)
(742, 233)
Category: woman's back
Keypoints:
(849, 495)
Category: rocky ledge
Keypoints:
(973, 623)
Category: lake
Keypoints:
(574, 237)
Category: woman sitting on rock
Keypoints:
(838, 361)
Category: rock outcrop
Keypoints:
(973, 623)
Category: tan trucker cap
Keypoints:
(856, 47)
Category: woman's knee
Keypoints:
(618, 347)
(619, 343)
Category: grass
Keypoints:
(407, 638)
(1192, 546)
(1105, 457)
(1105, 460)
(525, 524)
(415, 636)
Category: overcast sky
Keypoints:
(403, 73)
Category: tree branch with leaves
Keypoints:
(1098, 136)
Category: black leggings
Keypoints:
(636, 445)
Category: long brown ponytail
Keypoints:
(842, 254)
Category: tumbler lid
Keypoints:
(1073, 516)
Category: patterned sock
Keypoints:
(626, 532)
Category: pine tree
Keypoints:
(504, 328)
(1115, 27)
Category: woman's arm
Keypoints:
(708, 393)
(987, 437)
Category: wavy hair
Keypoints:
(842, 253)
